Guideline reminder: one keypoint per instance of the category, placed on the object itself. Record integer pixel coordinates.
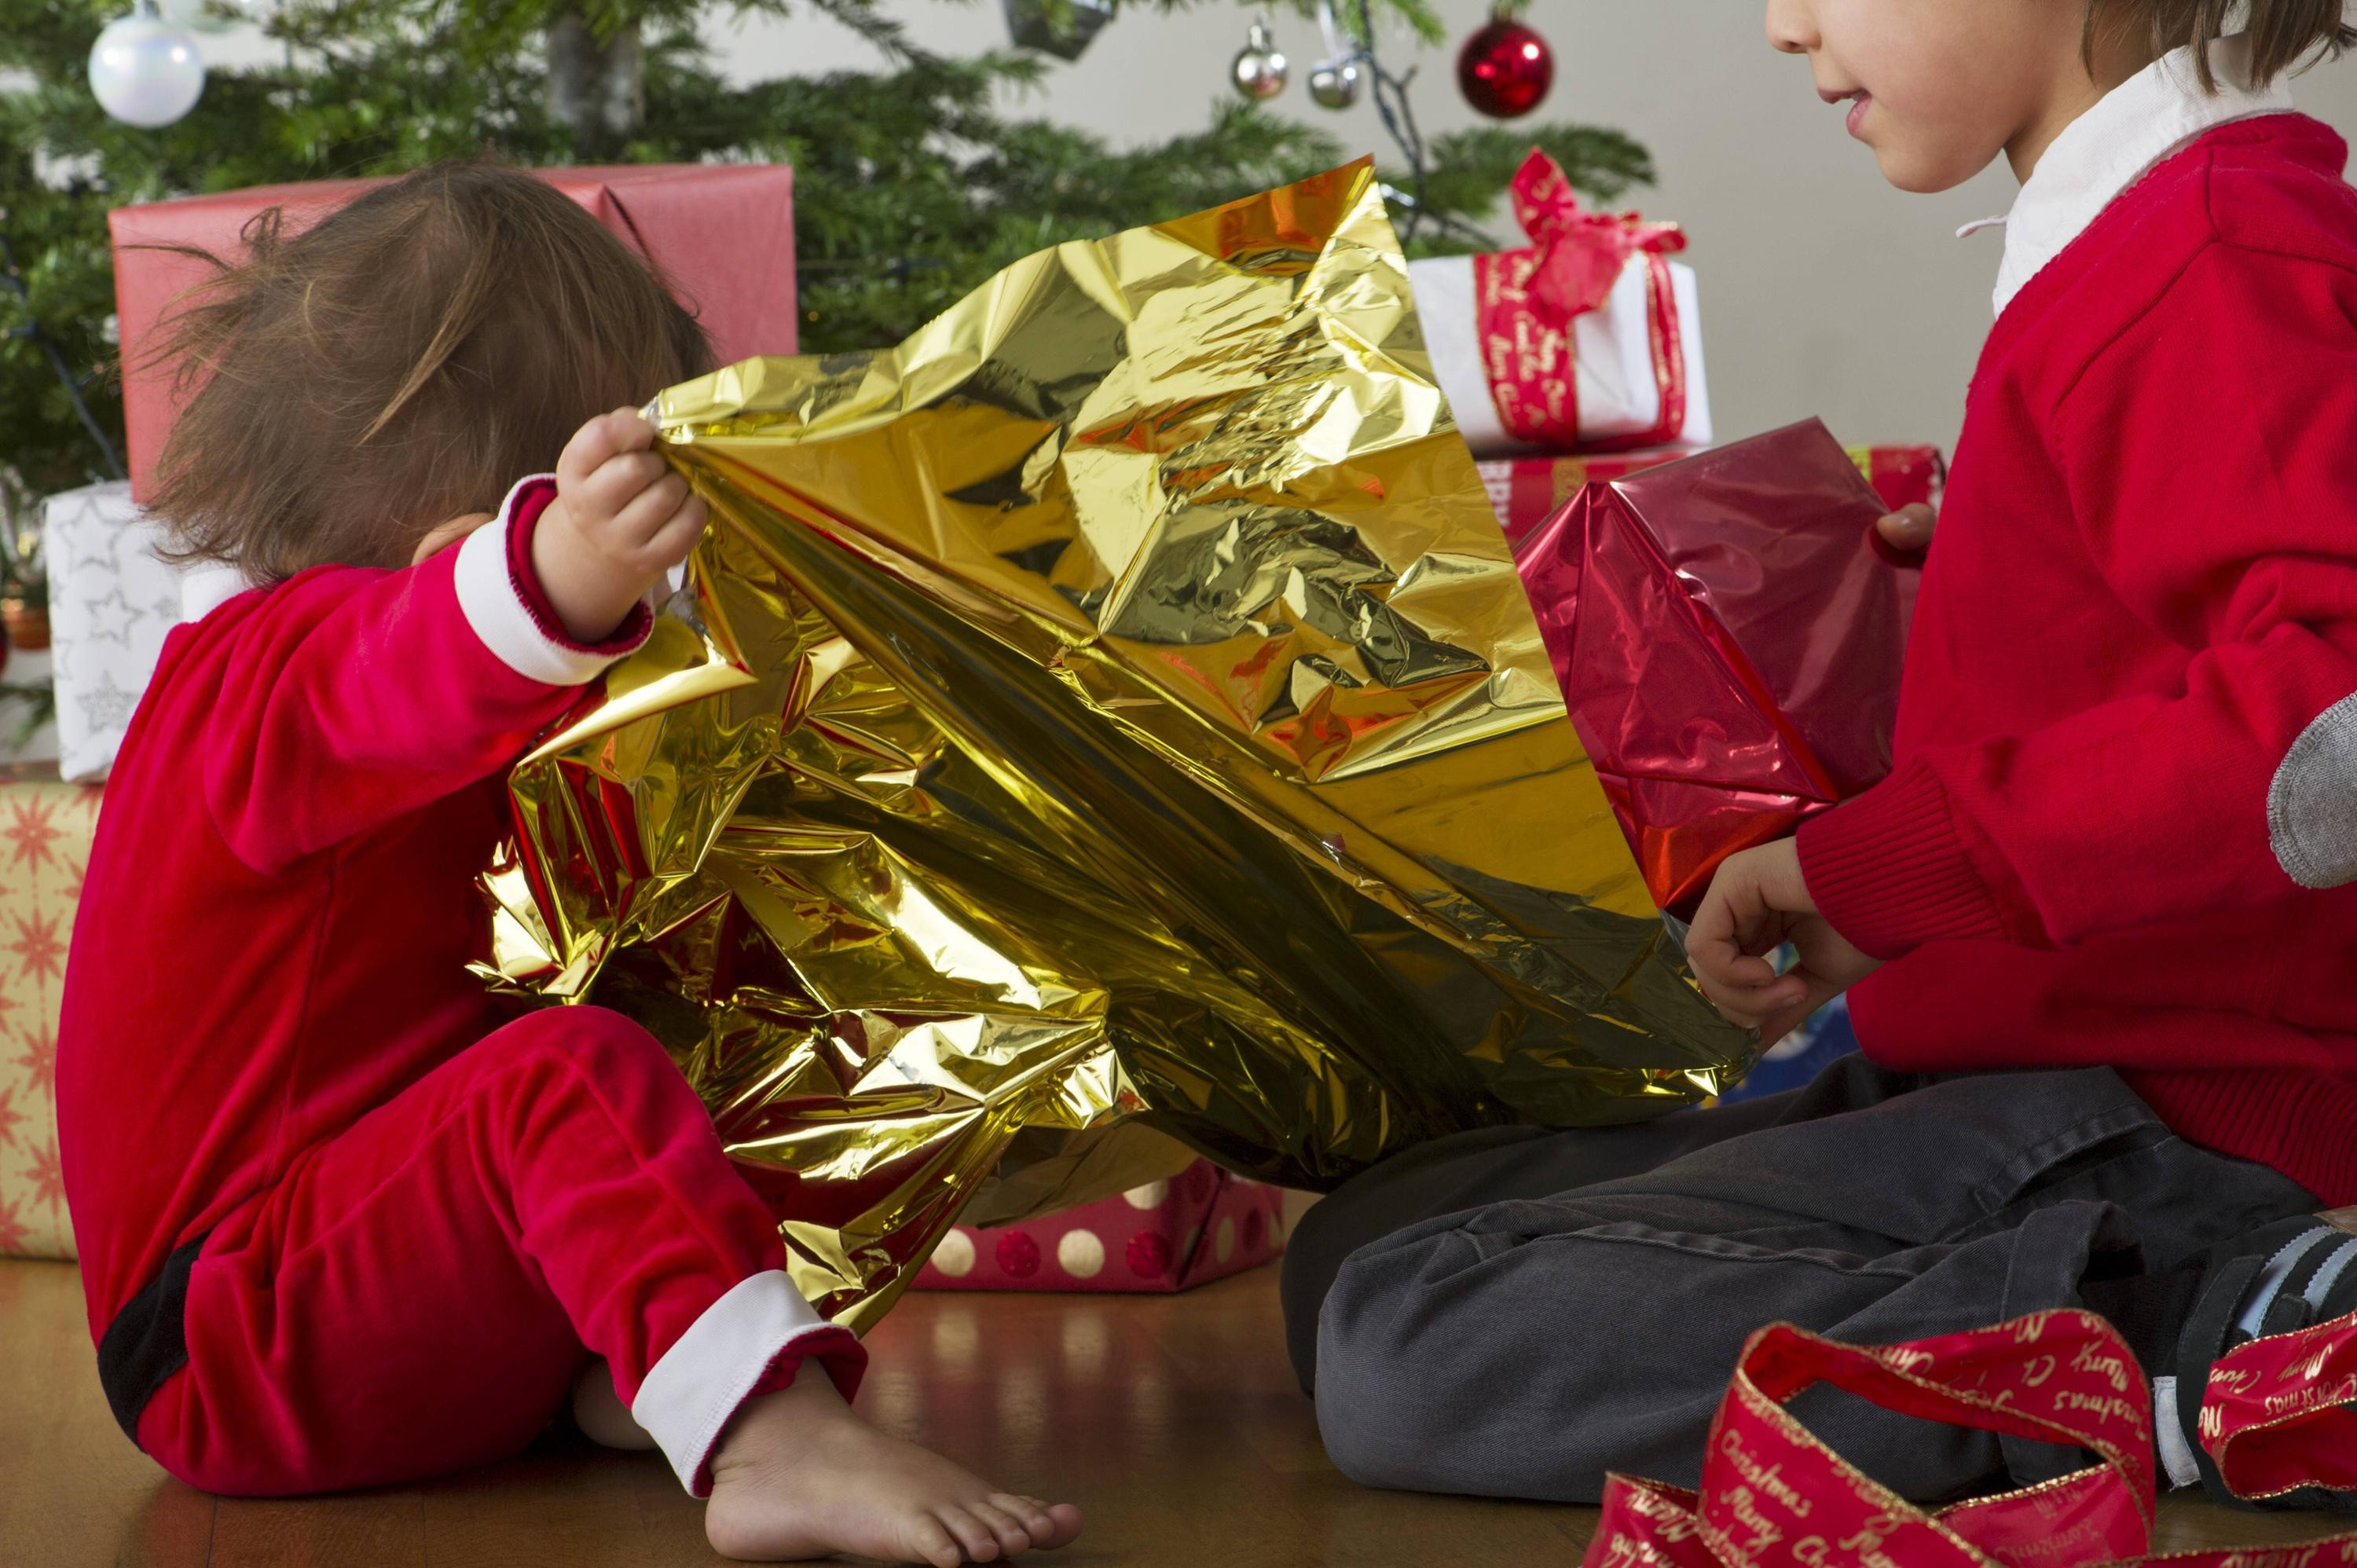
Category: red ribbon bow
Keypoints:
(1581, 254)
(1525, 302)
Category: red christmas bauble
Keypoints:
(1505, 69)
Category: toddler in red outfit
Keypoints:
(346, 1220)
(2100, 918)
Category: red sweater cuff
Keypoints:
(1889, 872)
(533, 497)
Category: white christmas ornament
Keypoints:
(145, 71)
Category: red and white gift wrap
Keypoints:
(1772, 1496)
(1526, 491)
(722, 235)
(1590, 339)
(1202, 1225)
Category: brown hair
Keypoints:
(401, 363)
(2284, 33)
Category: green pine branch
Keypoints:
(913, 184)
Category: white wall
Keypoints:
(1823, 290)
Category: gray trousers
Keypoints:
(1515, 1312)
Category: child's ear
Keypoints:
(445, 534)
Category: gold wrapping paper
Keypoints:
(1108, 726)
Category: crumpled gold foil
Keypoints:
(1104, 729)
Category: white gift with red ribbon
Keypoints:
(1589, 339)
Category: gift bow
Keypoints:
(1773, 1495)
(1581, 254)
(1527, 300)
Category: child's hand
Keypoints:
(1757, 903)
(623, 518)
(1909, 528)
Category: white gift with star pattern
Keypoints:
(111, 603)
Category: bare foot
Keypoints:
(600, 1414)
(797, 1475)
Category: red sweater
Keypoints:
(2126, 797)
(280, 903)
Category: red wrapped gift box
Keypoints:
(1202, 1225)
(1729, 631)
(723, 236)
(1526, 491)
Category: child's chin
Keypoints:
(1922, 173)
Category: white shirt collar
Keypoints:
(2137, 126)
(205, 588)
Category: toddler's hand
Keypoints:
(623, 518)
(1757, 902)
(1909, 528)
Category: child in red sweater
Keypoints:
(2098, 919)
(344, 1220)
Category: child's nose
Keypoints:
(1792, 26)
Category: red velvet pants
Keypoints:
(419, 1293)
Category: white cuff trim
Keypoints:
(488, 596)
(690, 1394)
(2168, 1437)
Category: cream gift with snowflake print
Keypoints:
(110, 602)
(45, 833)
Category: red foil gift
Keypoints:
(1526, 491)
(1729, 631)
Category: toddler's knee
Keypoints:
(601, 1044)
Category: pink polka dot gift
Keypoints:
(1202, 1224)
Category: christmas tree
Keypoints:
(911, 184)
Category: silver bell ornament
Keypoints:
(145, 71)
(1335, 85)
(1259, 68)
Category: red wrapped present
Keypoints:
(1729, 631)
(722, 234)
(1589, 339)
(1202, 1224)
(1526, 491)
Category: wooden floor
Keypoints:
(1173, 1420)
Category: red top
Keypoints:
(2125, 801)
(273, 935)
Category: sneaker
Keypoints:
(2283, 1277)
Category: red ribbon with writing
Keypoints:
(1525, 302)
(1773, 1495)
(2280, 1413)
